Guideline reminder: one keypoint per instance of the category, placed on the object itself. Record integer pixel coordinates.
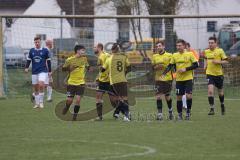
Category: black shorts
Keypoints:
(183, 87)
(120, 89)
(163, 87)
(73, 90)
(103, 87)
(217, 81)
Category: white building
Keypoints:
(23, 30)
(195, 31)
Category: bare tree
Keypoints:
(160, 7)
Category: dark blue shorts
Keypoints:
(217, 81)
(103, 87)
(183, 87)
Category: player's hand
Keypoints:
(181, 70)
(26, 70)
(162, 76)
(159, 67)
(216, 61)
(97, 81)
(90, 69)
(72, 68)
(50, 73)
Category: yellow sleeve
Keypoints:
(193, 58)
(127, 62)
(66, 64)
(86, 63)
(223, 55)
(171, 57)
(172, 61)
(153, 60)
(100, 60)
(106, 64)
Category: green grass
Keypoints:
(28, 134)
(38, 134)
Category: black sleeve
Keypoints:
(49, 65)
(169, 68)
(65, 68)
(192, 67)
(29, 59)
(128, 69)
(28, 63)
(102, 69)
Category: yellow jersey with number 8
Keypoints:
(117, 64)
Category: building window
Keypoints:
(234, 22)
(123, 30)
(211, 26)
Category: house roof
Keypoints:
(15, 4)
(82, 7)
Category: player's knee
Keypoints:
(69, 100)
(167, 96)
(158, 97)
(77, 102)
(41, 85)
(179, 98)
(220, 92)
(99, 101)
(210, 92)
(189, 96)
(125, 98)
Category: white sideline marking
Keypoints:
(148, 150)
(232, 99)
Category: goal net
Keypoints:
(138, 36)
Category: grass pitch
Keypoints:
(33, 134)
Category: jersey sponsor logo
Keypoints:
(37, 59)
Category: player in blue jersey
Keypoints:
(41, 68)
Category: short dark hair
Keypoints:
(115, 46)
(181, 41)
(37, 38)
(78, 47)
(213, 38)
(100, 45)
(188, 44)
(161, 41)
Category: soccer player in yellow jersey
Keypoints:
(215, 57)
(163, 85)
(77, 65)
(103, 82)
(196, 55)
(118, 65)
(185, 63)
